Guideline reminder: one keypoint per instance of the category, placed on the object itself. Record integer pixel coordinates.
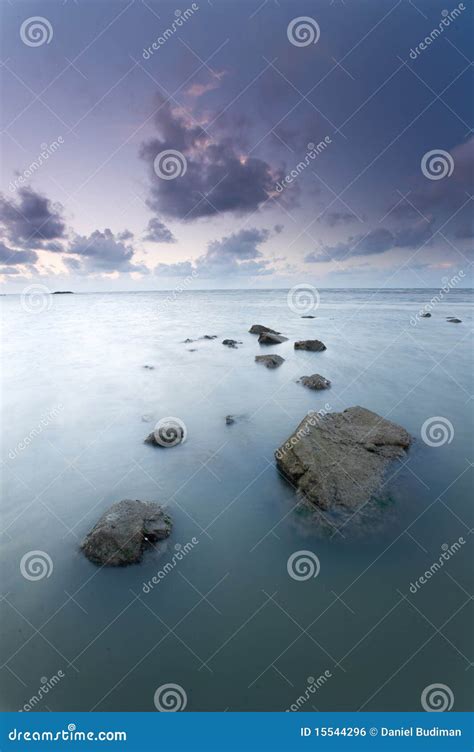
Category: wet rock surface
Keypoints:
(313, 345)
(338, 460)
(267, 338)
(260, 329)
(270, 361)
(124, 531)
(315, 381)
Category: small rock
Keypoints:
(425, 315)
(270, 361)
(209, 336)
(260, 329)
(454, 320)
(267, 338)
(308, 316)
(149, 368)
(166, 435)
(315, 381)
(192, 349)
(314, 345)
(229, 419)
(338, 459)
(231, 342)
(188, 341)
(124, 531)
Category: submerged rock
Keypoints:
(315, 381)
(453, 320)
(124, 531)
(260, 329)
(167, 433)
(310, 344)
(229, 419)
(339, 459)
(308, 316)
(231, 342)
(267, 338)
(149, 368)
(270, 361)
(425, 315)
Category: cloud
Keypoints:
(449, 193)
(157, 232)
(218, 177)
(11, 257)
(33, 221)
(375, 242)
(102, 252)
(236, 254)
(333, 219)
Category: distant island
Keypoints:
(63, 292)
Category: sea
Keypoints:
(255, 602)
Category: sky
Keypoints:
(235, 144)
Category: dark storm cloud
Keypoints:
(218, 177)
(102, 252)
(32, 221)
(333, 219)
(11, 257)
(158, 232)
(236, 254)
(447, 194)
(374, 243)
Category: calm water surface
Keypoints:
(228, 624)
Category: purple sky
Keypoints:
(231, 144)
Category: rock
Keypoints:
(166, 434)
(453, 320)
(188, 341)
(339, 459)
(260, 329)
(209, 336)
(310, 344)
(124, 531)
(192, 349)
(315, 381)
(267, 338)
(229, 419)
(425, 315)
(231, 342)
(149, 368)
(308, 316)
(63, 292)
(270, 361)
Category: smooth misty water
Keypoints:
(210, 625)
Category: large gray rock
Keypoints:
(124, 531)
(310, 344)
(339, 459)
(270, 361)
(267, 338)
(315, 381)
(260, 329)
(453, 320)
